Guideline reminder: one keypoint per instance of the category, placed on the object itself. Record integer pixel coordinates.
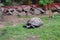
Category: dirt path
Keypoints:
(12, 20)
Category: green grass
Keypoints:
(49, 31)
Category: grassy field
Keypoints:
(49, 31)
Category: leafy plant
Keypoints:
(7, 3)
(45, 3)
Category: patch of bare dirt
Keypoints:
(12, 20)
(1, 25)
